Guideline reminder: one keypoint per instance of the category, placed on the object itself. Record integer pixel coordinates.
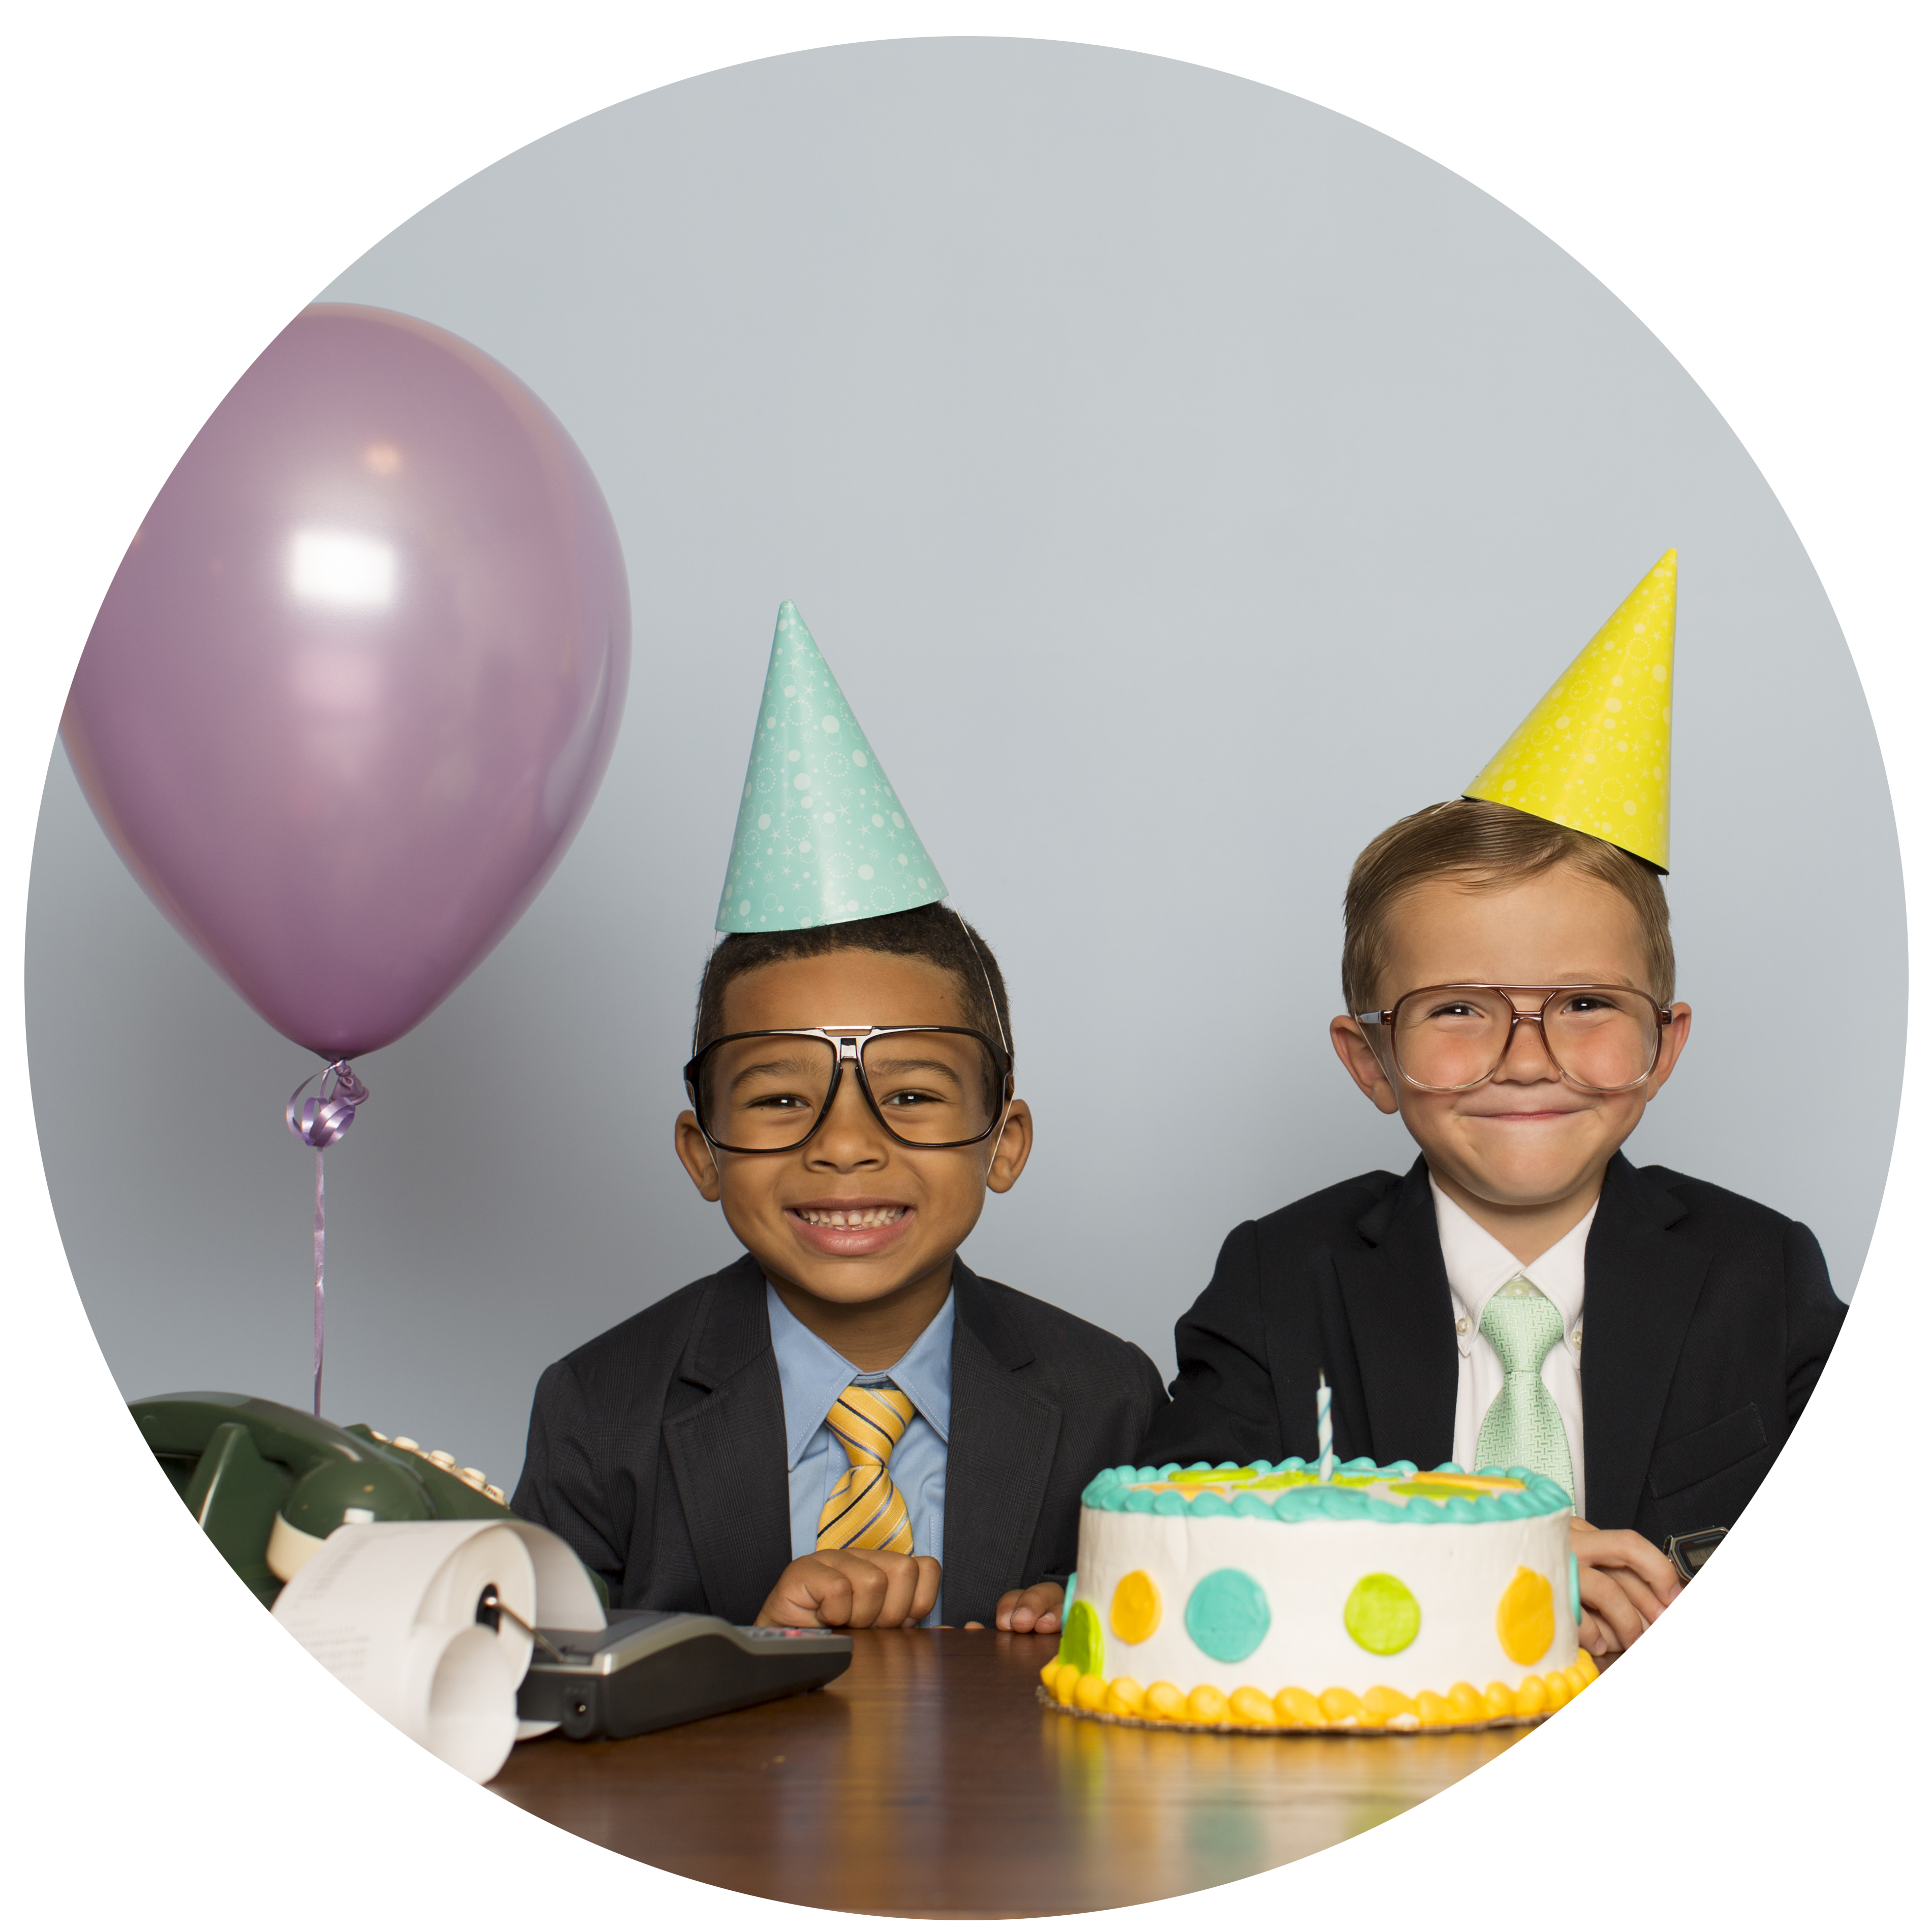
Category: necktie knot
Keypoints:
(1522, 1324)
(869, 1421)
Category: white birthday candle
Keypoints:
(1324, 1428)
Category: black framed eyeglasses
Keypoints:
(1446, 1039)
(769, 1092)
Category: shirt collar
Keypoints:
(1477, 1263)
(812, 1374)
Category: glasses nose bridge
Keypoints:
(1517, 1015)
(848, 1106)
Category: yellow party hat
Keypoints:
(1595, 754)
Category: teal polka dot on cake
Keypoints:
(1227, 1615)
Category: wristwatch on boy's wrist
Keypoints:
(1688, 1550)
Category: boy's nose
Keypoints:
(850, 1137)
(1526, 1053)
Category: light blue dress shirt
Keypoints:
(813, 1375)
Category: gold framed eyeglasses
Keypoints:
(1446, 1040)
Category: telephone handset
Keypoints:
(267, 1484)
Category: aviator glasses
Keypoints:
(769, 1092)
(1446, 1040)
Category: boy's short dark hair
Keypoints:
(933, 933)
(1482, 845)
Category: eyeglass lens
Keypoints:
(769, 1092)
(1599, 1036)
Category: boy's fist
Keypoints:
(1625, 1581)
(852, 1589)
(1035, 1609)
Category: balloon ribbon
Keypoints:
(319, 1122)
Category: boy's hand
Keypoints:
(1625, 1581)
(852, 1589)
(1037, 1609)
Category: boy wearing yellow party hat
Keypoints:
(1511, 986)
(847, 1425)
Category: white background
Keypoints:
(1750, 180)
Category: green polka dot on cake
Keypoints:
(1382, 1615)
(1080, 1641)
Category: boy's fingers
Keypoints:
(901, 1578)
(872, 1588)
(1592, 1636)
(1037, 1609)
(926, 1592)
(1603, 1593)
(812, 1591)
(1625, 1550)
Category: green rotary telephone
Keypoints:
(267, 1484)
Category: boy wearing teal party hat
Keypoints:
(847, 1425)
(1510, 980)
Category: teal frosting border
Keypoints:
(1120, 1489)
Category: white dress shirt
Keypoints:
(1477, 1265)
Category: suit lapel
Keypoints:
(1401, 1402)
(727, 1448)
(999, 1455)
(1641, 1282)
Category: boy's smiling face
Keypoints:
(1526, 1146)
(853, 1218)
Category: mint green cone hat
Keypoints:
(822, 837)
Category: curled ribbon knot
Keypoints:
(329, 1112)
(319, 1122)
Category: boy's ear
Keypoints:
(1011, 1148)
(1670, 1049)
(694, 1151)
(1365, 1068)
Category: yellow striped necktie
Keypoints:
(865, 1511)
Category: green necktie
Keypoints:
(1524, 1428)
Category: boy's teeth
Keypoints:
(861, 1217)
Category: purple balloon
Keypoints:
(358, 676)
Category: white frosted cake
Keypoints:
(1264, 1598)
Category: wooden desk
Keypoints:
(927, 1781)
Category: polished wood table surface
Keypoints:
(929, 1781)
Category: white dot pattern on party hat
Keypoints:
(1595, 754)
(821, 837)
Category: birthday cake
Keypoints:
(1267, 1598)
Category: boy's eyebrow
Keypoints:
(879, 1063)
(793, 1063)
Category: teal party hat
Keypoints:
(822, 838)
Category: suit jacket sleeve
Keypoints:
(1814, 1314)
(1223, 1408)
(559, 1487)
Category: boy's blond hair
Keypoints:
(1481, 846)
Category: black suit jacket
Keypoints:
(1706, 1320)
(657, 1451)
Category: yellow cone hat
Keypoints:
(1595, 754)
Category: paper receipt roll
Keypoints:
(390, 1609)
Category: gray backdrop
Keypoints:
(1183, 482)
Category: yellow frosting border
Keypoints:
(1207, 1707)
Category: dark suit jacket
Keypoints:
(1706, 1320)
(657, 1451)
